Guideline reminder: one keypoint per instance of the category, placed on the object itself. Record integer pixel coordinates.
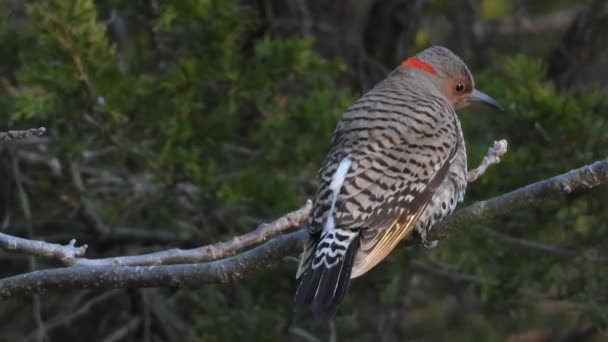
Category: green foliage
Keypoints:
(492, 9)
(214, 102)
(196, 92)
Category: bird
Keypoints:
(397, 165)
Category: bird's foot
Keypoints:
(426, 243)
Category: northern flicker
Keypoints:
(397, 165)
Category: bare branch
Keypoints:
(21, 134)
(71, 255)
(122, 332)
(105, 277)
(518, 25)
(305, 335)
(66, 319)
(210, 252)
(66, 253)
(532, 195)
(24, 203)
(274, 250)
(493, 157)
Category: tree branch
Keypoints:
(532, 195)
(68, 317)
(274, 250)
(70, 255)
(106, 277)
(21, 134)
(493, 157)
(67, 254)
(210, 252)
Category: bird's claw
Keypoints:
(426, 243)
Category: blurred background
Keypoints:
(177, 124)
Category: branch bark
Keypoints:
(21, 134)
(533, 195)
(66, 253)
(71, 255)
(273, 251)
(491, 158)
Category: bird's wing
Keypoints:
(386, 189)
(385, 193)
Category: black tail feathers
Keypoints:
(322, 289)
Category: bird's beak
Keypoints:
(479, 96)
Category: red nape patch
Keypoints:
(414, 62)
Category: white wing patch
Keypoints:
(338, 179)
(336, 183)
(330, 236)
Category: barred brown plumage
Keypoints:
(397, 165)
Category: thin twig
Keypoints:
(305, 335)
(539, 246)
(24, 203)
(83, 309)
(274, 250)
(492, 157)
(65, 253)
(527, 243)
(85, 210)
(147, 315)
(456, 276)
(120, 333)
(206, 253)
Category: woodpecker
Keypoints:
(397, 165)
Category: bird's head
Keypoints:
(451, 76)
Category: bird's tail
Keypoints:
(322, 288)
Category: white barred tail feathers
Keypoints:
(322, 288)
(326, 263)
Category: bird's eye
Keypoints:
(459, 87)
